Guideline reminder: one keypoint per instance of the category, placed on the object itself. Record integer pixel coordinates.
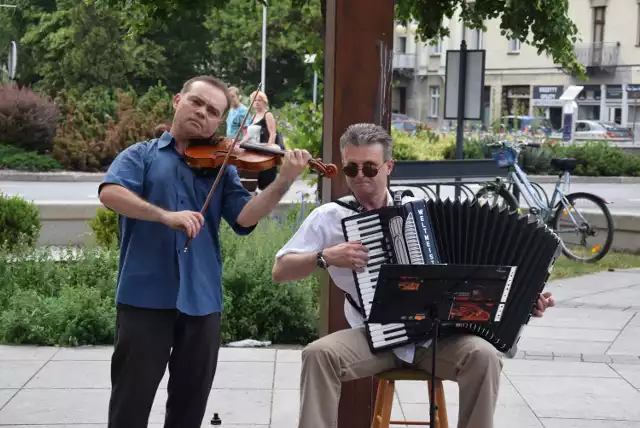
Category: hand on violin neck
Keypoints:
(294, 162)
(190, 222)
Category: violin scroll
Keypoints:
(328, 170)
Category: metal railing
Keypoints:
(404, 60)
(438, 179)
(600, 54)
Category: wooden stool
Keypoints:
(384, 398)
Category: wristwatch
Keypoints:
(320, 261)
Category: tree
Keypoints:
(79, 46)
(235, 47)
(544, 24)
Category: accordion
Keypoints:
(453, 233)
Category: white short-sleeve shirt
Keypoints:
(323, 229)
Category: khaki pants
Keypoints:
(344, 355)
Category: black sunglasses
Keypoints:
(368, 170)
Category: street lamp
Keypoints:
(12, 61)
(310, 59)
(264, 48)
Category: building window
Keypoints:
(598, 24)
(638, 26)
(402, 44)
(437, 48)
(434, 105)
(514, 46)
(474, 38)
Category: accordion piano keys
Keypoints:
(446, 232)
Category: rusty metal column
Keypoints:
(357, 88)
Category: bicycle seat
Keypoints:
(564, 164)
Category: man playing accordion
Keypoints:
(345, 355)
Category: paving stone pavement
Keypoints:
(577, 367)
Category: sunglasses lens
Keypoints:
(350, 170)
(369, 171)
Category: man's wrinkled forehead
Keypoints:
(363, 152)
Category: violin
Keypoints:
(202, 155)
(219, 151)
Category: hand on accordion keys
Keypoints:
(545, 300)
(351, 255)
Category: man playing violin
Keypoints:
(345, 355)
(169, 301)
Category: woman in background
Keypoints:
(263, 129)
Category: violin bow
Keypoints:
(205, 206)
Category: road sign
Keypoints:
(472, 85)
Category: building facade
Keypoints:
(517, 80)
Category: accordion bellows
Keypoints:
(458, 233)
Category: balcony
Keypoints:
(599, 55)
(404, 61)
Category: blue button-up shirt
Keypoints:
(154, 271)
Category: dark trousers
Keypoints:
(267, 177)
(146, 341)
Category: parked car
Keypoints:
(598, 130)
(405, 123)
(526, 124)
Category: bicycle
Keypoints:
(550, 212)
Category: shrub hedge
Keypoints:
(597, 158)
(27, 119)
(19, 222)
(85, 132)
(14, 158)
(71, 302)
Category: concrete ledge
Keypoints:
(63, 176)
(66, 223)
(627, 230)
(73, 176)
(584, 179)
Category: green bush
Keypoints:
(425, 145)
(14, 158)
(597, 158)
(67, 301)
(105, 228)
(301, 126)
(19, 222)
(254, 306)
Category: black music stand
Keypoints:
(440, 294)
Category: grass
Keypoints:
(565, 268)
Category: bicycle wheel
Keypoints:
(499, 195)
(584, 223)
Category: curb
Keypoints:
(64, 177)
(74, 176)
(578, 357)
(584, 179)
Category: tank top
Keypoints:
(264, 130)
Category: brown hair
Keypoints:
(213, 82)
